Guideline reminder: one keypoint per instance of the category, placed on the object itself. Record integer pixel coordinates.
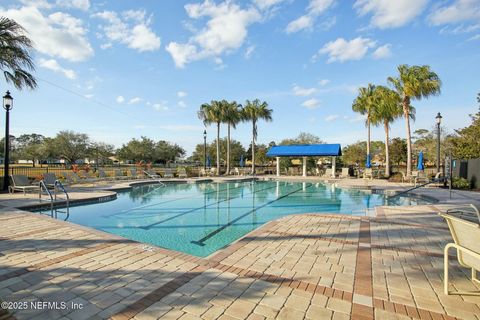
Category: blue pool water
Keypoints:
(201, 218)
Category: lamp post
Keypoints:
(7, 105)
(205, 149)
(438, 119)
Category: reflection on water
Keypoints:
(203, 217)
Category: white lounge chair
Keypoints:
(20, 182)
(368, 173)
(182, 172)
(345, 173)
(168, 173)
(466, 237)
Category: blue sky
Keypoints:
(122, 69)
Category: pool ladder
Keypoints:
(151, 176)
(57, 186)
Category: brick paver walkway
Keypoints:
(299, 267)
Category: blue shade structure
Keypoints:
(305, 150)
(242, 161)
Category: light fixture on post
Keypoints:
(7, 105)
(438, 119)
(205, 149)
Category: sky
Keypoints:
(118, 69)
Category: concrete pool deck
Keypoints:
(308, 266)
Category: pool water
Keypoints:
(200, 218)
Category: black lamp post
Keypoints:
(7, 105)
(205, 149)
(438, 119)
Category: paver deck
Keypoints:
(310, 266)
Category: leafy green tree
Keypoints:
(414, 82)
(101, 152)
(398, 151)
(364, 104)
(236, 151)
(167, 152)
(30, 146)
(70, 146)
(15, 59)
(466, 144)
(387, 109)
(302, 138)
(231, 115)
(137, 150)
(255, 111)
(354, 154)
(212, 113)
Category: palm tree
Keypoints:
(15, 59)
(414, 82)
(364, 104)
(212, 113)
(388, 108)
(231, 115)
(254, 111)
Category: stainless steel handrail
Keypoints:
(43, 187)
(151, 176)
(58, 184)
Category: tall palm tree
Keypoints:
(364, 104)
(388, 109)
(254, 111)
(231, 115)
(212, 113)
(414, 82)
(15, 58)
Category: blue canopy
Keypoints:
(368, 163)
(305, 150)
(420, 165)
(242, 162)
(208, 161)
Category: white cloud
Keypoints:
(390, 14)
(383, 52)
(299, 91)
(249, 51)
(135, 100)
(139, 126)
(332, 117)
(131, 28)
(41, 4)
(475, 37)
(120, 99)
(266, 4)
(182, 104)
(57, 35)
(301, 23)
(323, 82)
(88, 96)
(314, 9)
(77, 4)
(53, 65)
(458, 11)
(181, 94)
(311, 104)
(162, 106)
(225, 31)
(342, 50)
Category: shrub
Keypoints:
(460, 183)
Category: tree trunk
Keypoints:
(253, 147)
(228, 150)
(387, 153)
(368, 136)
(218, 148)
(406, 113)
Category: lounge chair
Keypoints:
(419, 177)
(20, 182)
(202, 173)
(168, 173)
(213, 172)
(102, 174)
(152, 174)
(49, 179)
(86, 176)
(327, 173)
(470, 212)
(345, 173)
(182, 173)
(118, 174)
(133, 174)
(466, 237)
(368, 173)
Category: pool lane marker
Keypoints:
(213, 233)
(163, 202)
(196, 209)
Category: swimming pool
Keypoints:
(200, 218)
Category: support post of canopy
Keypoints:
(333, 166)
(304, 171)
(278, 166)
